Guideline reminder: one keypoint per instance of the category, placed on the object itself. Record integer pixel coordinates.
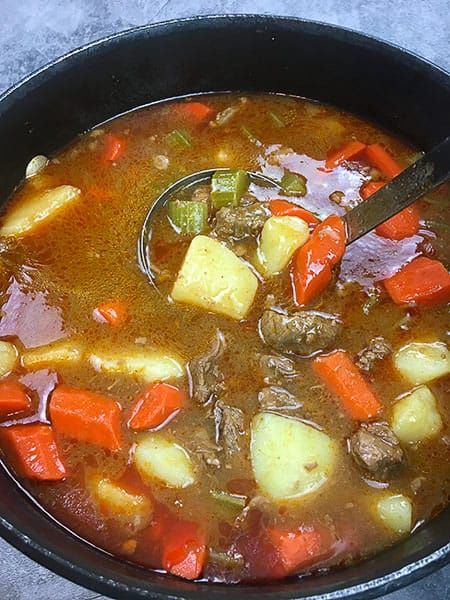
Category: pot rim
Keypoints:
(58, 562)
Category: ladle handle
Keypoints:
(412, 183)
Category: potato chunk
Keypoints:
(8, 358)
(422, 362)
(60, 352)
(396, 512)
(148, 366)
(158, 458)
(22, 218)
(113, 501)
(289, 458)
(280, 238)
(416, 416)
(214, 278)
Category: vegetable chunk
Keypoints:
(423, 281)
(155, 406)
(290, 459)
(13, 398)
(113, 500)
(280, 238)
(8, 358)
(33, 452)
(416, 416)
(86, 416)
(148, 366)
(422, 362)
(396, 512)
(60, 352)
(158, 458)
(214, 278)
(23, 218)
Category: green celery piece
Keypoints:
(248, 134)
(227, 187)
(293, 184)
(226, 560)
(188, 216)
(179, 137)
(277, 121)
(232, 500)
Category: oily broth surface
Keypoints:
(86, 255)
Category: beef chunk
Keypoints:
(276, 368)
(206, 376)
(377, 349)
(200, 444)
(303, 332)
(237, 222)
(229, 422)
(277, 398)
(376, 448)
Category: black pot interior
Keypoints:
(254, 54)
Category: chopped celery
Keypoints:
(232, 500)
(277, 121)
(248, 134)
(226, 560)
(227, 187)
(188, 216)
(179, 137)
(438, 225)
(293, 184)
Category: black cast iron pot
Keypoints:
(399, 91)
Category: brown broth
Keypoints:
(86, 255)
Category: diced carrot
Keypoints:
(424, 281)
(345, 381)
(370, 188)
(155, 406)
(347, 152)
(184, 549)
(86, 416)
(13, 397)
(301, 547)
(404, 224)
(33, 452)
(114, 313)
(382, 160)
(311, 266)
(282, 208)
(114, 148)
(196, 111)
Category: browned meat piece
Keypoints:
(237, 222)
(277, 398)
(276, 368)
(229, 422)
(376, 448)
(206, 376)
(377, 349)
(304, 332)
(200, 444)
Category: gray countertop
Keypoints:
(35, 32)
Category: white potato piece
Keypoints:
(280, 238)
(8, 358)
(415, 417)
(22, 218)
(420, 362)
(158, 458)
(58, 353)
(147, 366)
(396, 512)
(214, 278)
(289, 458)
(112, 500)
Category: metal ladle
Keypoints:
(418, 179)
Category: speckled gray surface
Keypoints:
(34, 32)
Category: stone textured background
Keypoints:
(34, 32)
